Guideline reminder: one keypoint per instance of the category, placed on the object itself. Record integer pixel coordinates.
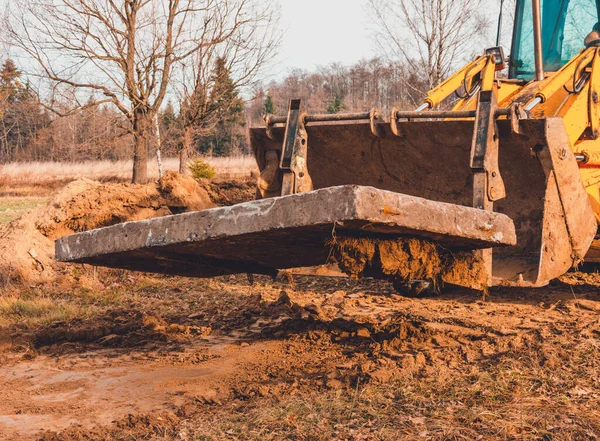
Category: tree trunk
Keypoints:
(186, 148)
(142, 134)
(158, 146)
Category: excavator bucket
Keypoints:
(359, 180)
(545, 198)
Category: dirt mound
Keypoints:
(131, 427)
(117, 328)
(227, 193)
(27, 243)
(84, 204)
(404, 260)
(183, 193)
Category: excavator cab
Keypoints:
(565, 26)
(499, 187)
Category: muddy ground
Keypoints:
(110, 355)
(299, 358)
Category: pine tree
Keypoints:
(84, 133)
(10, 85)
(172, 129)
(21, 117)
(336, 105)
(229, 110)
(269, 106)
(168, 116)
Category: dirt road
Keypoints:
(177, 359)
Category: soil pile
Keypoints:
(404, 260)
(27, 243)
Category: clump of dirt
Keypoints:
(149, 426)
(582, 278)
(183, 193)
(27, 243)
(404, 260)
(465, 268)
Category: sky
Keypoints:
(319, 32)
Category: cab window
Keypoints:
(565, 25)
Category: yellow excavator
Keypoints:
(503, 188)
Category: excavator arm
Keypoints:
(503, 188)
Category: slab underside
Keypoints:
(288, 232)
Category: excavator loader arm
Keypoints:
(503, 189)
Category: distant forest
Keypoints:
(337, 88)
(29, 131)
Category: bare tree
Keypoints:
(249, 49)
(431, 36)
(123, 51)
(362, 86)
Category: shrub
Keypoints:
(201, 169)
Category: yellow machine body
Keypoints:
(526, 148)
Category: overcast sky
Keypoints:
(318, 32)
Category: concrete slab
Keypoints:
(288, 232)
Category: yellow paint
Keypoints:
(488, 75)
(452, 84)
(594, 97)
(580, 111)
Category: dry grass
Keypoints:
(35, 310)
(38, 306)
(39, 172)
(510, 398)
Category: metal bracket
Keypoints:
(394, 122)
(517, 114)
(269, 126)
(488, 185)
(294, 151)
(594, 98)
(374, 118)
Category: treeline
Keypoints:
(119, 80)
(31, 132)
(338, 88)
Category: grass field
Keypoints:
(37, 172)
(24, 185)
(13, 207)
